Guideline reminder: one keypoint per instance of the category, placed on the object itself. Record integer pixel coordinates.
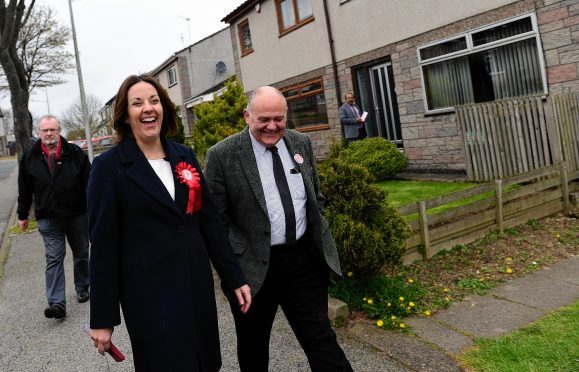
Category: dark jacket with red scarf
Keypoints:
(58, 194)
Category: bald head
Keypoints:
(266, 115)
(267, 92)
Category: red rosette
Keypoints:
(190, 177)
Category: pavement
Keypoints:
(30, 342)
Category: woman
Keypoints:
(154, 228)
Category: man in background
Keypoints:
(56, 174)
(351, 119)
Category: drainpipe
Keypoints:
(333, 55)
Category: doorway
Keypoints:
(375, 89)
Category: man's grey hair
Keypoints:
(259, 91)
(48, 117)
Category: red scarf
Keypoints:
(52, 157)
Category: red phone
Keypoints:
(113, 351)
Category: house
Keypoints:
(408, 63)
(196, 71)
(191, 76)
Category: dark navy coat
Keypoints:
(153, 259)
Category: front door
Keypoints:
(375, 85)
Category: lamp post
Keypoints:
(81, 86)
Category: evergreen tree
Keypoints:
(219, 119)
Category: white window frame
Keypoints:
(471, 49)
(172, 75)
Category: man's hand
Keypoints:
(23, 224)
(243, 294)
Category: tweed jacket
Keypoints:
(348, 120)
(234, 180)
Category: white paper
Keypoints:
(364, 114)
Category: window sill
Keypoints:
(170, 85)
(246, 52)
(313, 128)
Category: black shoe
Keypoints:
(83, 296)
(54, 312)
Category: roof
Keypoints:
(240, 10)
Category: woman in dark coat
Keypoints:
(154, 229)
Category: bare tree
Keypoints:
(14, 34)
(41, 48)
(72, 118)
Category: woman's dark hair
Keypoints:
(121, 110)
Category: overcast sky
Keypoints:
(117, 38)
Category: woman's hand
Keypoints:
(243, 294)
(102, 339)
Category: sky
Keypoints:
(118, 38)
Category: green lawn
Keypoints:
(401, 192)
(549, 344)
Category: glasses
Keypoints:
(49, 130)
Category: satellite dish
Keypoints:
(221, 67)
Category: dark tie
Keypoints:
(286, 197)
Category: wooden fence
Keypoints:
(506, 138)
(509, 202)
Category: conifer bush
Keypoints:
(369, 233)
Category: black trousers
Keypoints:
(298, 282)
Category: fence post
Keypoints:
(423, 219)
(499, 206)
(565, 187)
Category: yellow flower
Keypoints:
(401, 298)
(408, 308)
(427, 313)
(447, 299)
(446, 289)
(370, 301)
(509, 270)
(509, 259)
(411, 304)
(410, 280)
(393, 317)
(402, 325)
(350, 274)
(557, 235)
(388, 304)
(481, 280)
(364, 299)
(380, 323)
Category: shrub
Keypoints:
(369, 233)
(379, 155)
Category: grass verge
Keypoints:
(549, 344)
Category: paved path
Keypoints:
(30, 342)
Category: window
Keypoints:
(246, 46)
(172, 75)
(292, 14)
(306, 104)
(499, 61)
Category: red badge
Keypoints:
(190, 177)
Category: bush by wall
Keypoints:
(379, 155)
(369, 233)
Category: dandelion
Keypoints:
(427, 313)
(388, 304)
(411, 304)
(350, 274)
(402, 325)
(446, 289)
(447, 299)
(410, 280)
(401, 299)
(393, 317)
(365, 299)
(380, 323)
(509, 259)
(370, 301)
(509, 270)
(557, 235)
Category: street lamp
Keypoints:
(81, 86)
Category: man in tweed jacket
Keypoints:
(282, 272)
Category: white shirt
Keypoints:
(163, 169)
(272, 198)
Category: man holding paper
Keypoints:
(352, 118)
